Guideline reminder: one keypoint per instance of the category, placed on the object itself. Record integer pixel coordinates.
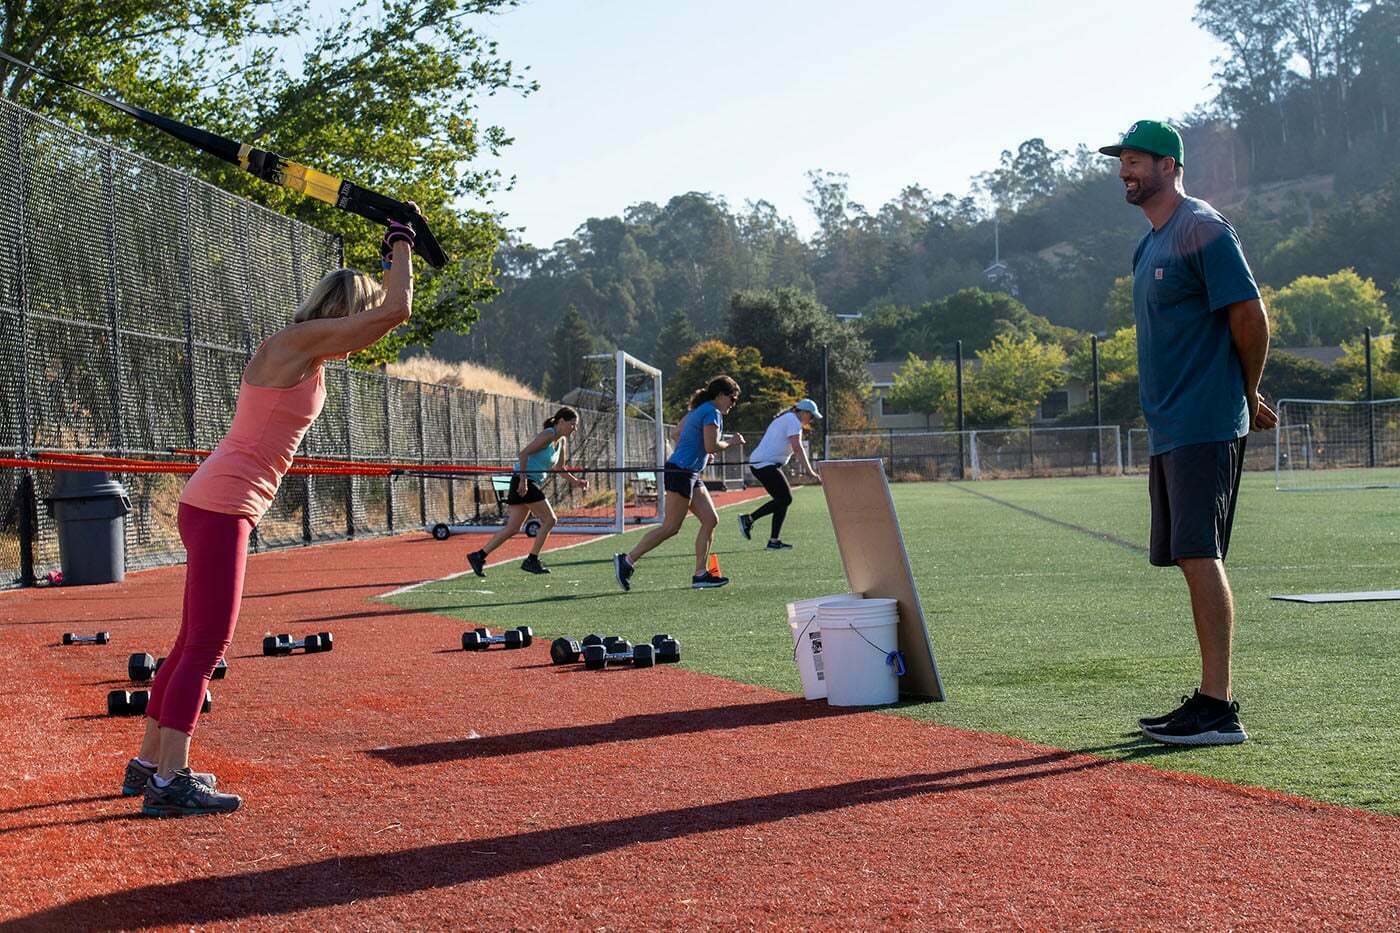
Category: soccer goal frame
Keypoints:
(623, 470)
(1325, 444)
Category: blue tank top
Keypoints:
(543, 460)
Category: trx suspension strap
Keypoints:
(271, 167)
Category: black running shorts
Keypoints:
(533, 493)
(680, 480)
(1193, 491)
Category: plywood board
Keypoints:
(872, 551)
(1365, 596)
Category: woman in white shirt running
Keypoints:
(782, 439)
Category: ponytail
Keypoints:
(720, 385)
(565, 413)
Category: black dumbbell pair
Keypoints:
(274, 645)
(598, 652)
(72, 638)
(133, 702)
(480, 639)
(141, 667)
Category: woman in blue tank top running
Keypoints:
(537, 458)
(701, 434)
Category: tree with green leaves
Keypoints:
(1119, 401)
(1013, 376)
(381, 96)
(1118, 306)
(764, 390)
(569, 369)
(674, 341)
(790, 329)
(927, 387)
(1291, 376)
(1313, 311)
(1385, 377)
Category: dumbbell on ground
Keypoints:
(569, 651)
(133, 702)
(479, 639)
(101, 638)
(597, 657)
(667, 649)
(141, 667)
(284, 644)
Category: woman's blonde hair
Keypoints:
(339, 294)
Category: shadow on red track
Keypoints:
(343, 880)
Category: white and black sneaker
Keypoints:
(746, 527)
(624, 570)
(1149, 722)
(707, 581)
(531, 564)
(477, 561)
(775, 545)
(1208, 721)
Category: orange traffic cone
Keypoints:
(714, 565)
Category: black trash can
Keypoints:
(90, 510)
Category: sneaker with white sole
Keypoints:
(1207, 722)
(1149, 722)
(707, 581)
(623, 568)
(185, 796)
(137, 774)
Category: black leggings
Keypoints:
(776, 483)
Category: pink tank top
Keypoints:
(241, 476)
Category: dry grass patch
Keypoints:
(463, 375)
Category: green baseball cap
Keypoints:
(1151, 136)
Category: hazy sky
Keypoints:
(646, 99)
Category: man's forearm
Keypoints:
(1249, 331)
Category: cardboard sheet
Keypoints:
(872, 551)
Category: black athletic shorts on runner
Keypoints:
(679, 480)
(1193, 491)
(533, 493)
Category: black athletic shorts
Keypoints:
(1193, 491)
(680, 480)
(533, 493)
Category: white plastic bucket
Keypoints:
(807, 643)
(858, 637)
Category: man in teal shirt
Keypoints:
(1203, 336)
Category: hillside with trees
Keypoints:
(1298, 148)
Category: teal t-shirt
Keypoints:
(543, 460)
(1190, 379)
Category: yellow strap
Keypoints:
(243, 151)
(310, 182)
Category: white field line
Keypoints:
(549, 550)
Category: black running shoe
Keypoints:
(776, 545)
(624, 570)
(477, 560)
(137, 774)
(1149, 722)
(532, 564)
(185, 796)
(1207, 722)
(746, 527)
(707, 581)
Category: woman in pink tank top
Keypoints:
(282, 393)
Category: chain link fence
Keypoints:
(132, 296)
(1000, 453)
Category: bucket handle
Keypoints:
(894, 659)
(798, 640)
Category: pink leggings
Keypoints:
(216, 546)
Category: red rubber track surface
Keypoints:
(397, 782)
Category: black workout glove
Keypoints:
(398, 231)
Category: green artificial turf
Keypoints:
(1046, 619)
